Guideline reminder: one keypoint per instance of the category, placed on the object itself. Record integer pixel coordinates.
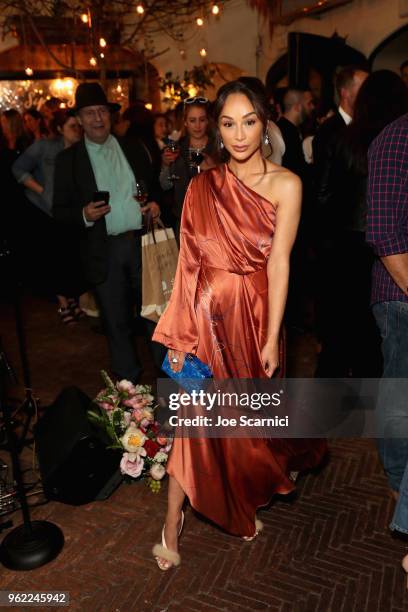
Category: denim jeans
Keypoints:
(400, 518)
(392, 407)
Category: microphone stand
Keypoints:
(34, 543)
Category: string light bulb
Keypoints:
(119, 88)
(101, 55)
(203, 52)
(149, 105)
(102, 43)
(199, 21)
(215, 9)
(140, 9)
(29, 71)
(84, 18)
(93, 61)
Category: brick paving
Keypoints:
(326, 549)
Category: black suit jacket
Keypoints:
(293, 158)
(324, 151)
(74, 186)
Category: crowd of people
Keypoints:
(283, 211)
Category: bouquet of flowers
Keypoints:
(125, 414)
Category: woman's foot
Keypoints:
(66, 316)
(258, 529)
(166, 553)
(75, 308)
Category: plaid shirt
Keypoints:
(387, 202)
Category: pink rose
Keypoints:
(131, 464)
(144, 424)
(133, 402)
(137, 414)
(105, 406)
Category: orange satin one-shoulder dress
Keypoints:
(219, 311)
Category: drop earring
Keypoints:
(221, 144)
(266, 138)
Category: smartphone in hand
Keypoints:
(101, 196)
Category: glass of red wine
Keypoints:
(141, 194)
(196, 158)
(174, 147)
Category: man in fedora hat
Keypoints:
(109, 236)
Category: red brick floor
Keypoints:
(327, 550)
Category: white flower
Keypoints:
(133, 439)
(160, 457)
(125, 385)
(157, 471)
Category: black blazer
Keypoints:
(74, 186)
(324, 149)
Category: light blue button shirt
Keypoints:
(114, 174)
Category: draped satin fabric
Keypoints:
(219, 311)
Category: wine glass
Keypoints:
(196, 158)
(174, 147)
(141, 194)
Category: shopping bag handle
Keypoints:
(152, 222)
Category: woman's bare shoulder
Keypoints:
(282, 178)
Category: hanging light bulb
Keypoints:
(84, 18)
(101, 55)
(203, 52)
(149, 105)
(29, 71)
(215, 9)
(119, 88)
(140, 9)
(199, 21)
(93, 61)
(102, 42)
(192, 91)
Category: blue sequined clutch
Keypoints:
(192, 374)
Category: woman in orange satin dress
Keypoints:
(238, 227)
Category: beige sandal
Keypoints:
(166, 558)
(258, 529)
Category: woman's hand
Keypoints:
(270, 357)
(169, 156)
(151, 207)
(180, 356)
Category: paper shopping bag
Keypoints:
(159, 264)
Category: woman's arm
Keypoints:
(289, 195)
(32, 184)
(25, 165)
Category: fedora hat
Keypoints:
(92, 94)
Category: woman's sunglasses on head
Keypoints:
(196, 99)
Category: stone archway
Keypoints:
(391, 52)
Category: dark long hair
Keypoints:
(257, 100)
(383, 97)
(35, 114)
